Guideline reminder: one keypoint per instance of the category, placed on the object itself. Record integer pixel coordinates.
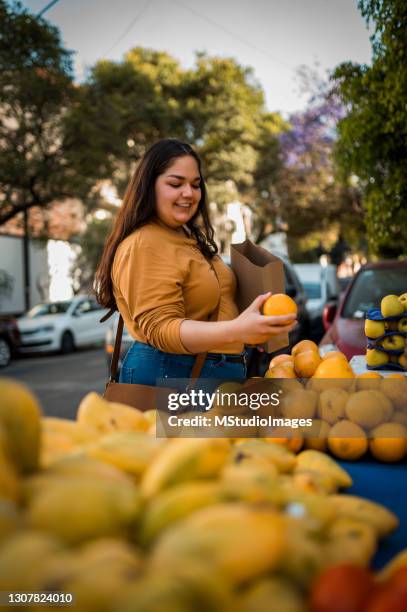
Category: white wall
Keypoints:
(50, 265)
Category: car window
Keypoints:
(95, 306)
(312, 290)
(83, 307)
(53, 308)
(370, 287)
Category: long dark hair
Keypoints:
(139, 207)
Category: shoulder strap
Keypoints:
(199, 359)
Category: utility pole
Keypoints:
(26, 261)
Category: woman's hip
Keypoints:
(144, 364)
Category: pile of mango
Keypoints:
(386, 333)
(352, 414)
(101, 508)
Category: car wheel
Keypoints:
(5, 353)
(67, 343)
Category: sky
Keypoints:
(274, 37)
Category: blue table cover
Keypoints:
(385, 484)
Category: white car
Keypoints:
(62, 326)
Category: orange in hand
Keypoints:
(279, 304)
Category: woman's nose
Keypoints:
(187, 191)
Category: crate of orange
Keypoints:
(353, 416)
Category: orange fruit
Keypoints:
(346, 440)
(304, 345)
(331, 354)
(317, 435)
(305, 363)
(334, 368)
(282, 370)
(286, 437)
(281, 359)
(279, 304)
(367, 380)
(389, 442)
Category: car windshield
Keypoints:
(312, 290)
(53, 308)
(369, 289)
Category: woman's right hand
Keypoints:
(252, 327)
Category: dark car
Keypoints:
(9, 339)
(344, 322)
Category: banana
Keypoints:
(9, 482)
(9, 519)
(281, 457)
(96, 412)
(252, 479)
(78, 432)
(382, 520)
(20, 415)
(179, 591)
(315, 507)
(102, 572)
(183, 459)
(273, 594)
(314, 461)
(63, 437)
(130, 451)
(70, 467)
(350, 541)
(56, 445)
(233, 540)
(175, 504)
(77, 509)
(23, 558)
(303, 551)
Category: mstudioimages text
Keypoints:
(205, 401)
(200, 420)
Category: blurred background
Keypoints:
(297, 109)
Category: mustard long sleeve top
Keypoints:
(160, 278)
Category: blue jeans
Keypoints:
(144, 364)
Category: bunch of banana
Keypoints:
(126, 521)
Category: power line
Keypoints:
(130, 26)
(235, 35)
(45, 9)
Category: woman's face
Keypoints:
(178, 192)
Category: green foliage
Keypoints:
(217, 106)
(372, 143)
(35, 90)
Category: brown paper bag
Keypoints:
(258, 271)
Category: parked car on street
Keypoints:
(62, 326)
(9, 339)
(321, 286)
(344, 322)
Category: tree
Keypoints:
(217, 106)
(312, 205)
(372, 145)
(35, 91)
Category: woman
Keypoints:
(160, 268)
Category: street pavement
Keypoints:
(61, 381)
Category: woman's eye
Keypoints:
(173, 185)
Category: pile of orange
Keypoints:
(351, 414)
